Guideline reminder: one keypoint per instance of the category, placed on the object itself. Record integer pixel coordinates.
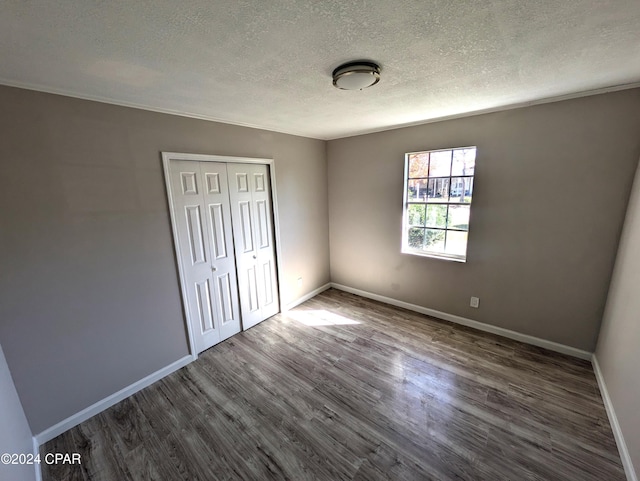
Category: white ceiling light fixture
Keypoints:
(356, 75)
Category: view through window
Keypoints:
(437, 203)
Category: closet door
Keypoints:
(223, 264)
(203, 225)
(250, 196)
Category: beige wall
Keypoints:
(618, 351)
(552, 184)
(15, 436)
(89, 296)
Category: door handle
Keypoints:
(214, 268)
(254, 256)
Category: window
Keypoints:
(437, 200)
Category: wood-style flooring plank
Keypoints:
(345, 388)
(62, 471)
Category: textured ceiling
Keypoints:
(268, 63)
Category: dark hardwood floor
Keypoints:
(344, 388)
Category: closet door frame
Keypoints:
(167, 157)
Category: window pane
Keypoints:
(458, 217)
(419, 165)
(456, 243)
(438, 190)
(437, 215)
(416, 238)
(417, 190)
(434, 240)
(416, 214)
(439, 186)
(440, 164)
(464, 162)
(461, 189)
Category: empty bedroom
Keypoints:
(319, 240)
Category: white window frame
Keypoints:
(406, 249)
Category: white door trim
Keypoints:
(167, 157)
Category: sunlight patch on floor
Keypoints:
(320, 317)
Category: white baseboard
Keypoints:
(74, 420)
(481, 326)
(615, 425)
(306, 297)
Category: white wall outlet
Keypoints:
(475, 302)
(299, 281)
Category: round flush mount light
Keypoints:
(356, 75)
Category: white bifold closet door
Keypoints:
(250, 196)
(224, 228)
(203, 217)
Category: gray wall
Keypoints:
(89, 296)
(618, 350)
(552, 184)
(15, 436)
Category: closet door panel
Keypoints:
(253, 232)
(194, 248)
(265, 245)
(223, 264)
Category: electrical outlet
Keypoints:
(299, 281)
(475, 302)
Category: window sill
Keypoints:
(433, 255)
